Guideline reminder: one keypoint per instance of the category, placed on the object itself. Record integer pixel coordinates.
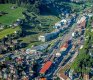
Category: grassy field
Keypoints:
(31, 40)
(8, 31)
(12, 14)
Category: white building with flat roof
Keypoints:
(64, 21)
(48, 36)
(42, 38)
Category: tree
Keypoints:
(35, 7)
(84, 62)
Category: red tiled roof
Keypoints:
(65, 45)
(42, 79)
(46, 66)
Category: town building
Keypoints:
(30, 51)
(62, 76)
(63, 21)
(60, 24)
(82, 22)
(42, 78)
(64, 47)
(40, 47)
(48, 36)
(45, 67)
(86, 77)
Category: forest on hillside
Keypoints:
(39, 5)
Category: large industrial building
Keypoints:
(45, 67)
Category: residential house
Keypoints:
(64, 47)
(60, 24)
(86, 77)
(63, 21)
(82, 22)
(57, 25)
